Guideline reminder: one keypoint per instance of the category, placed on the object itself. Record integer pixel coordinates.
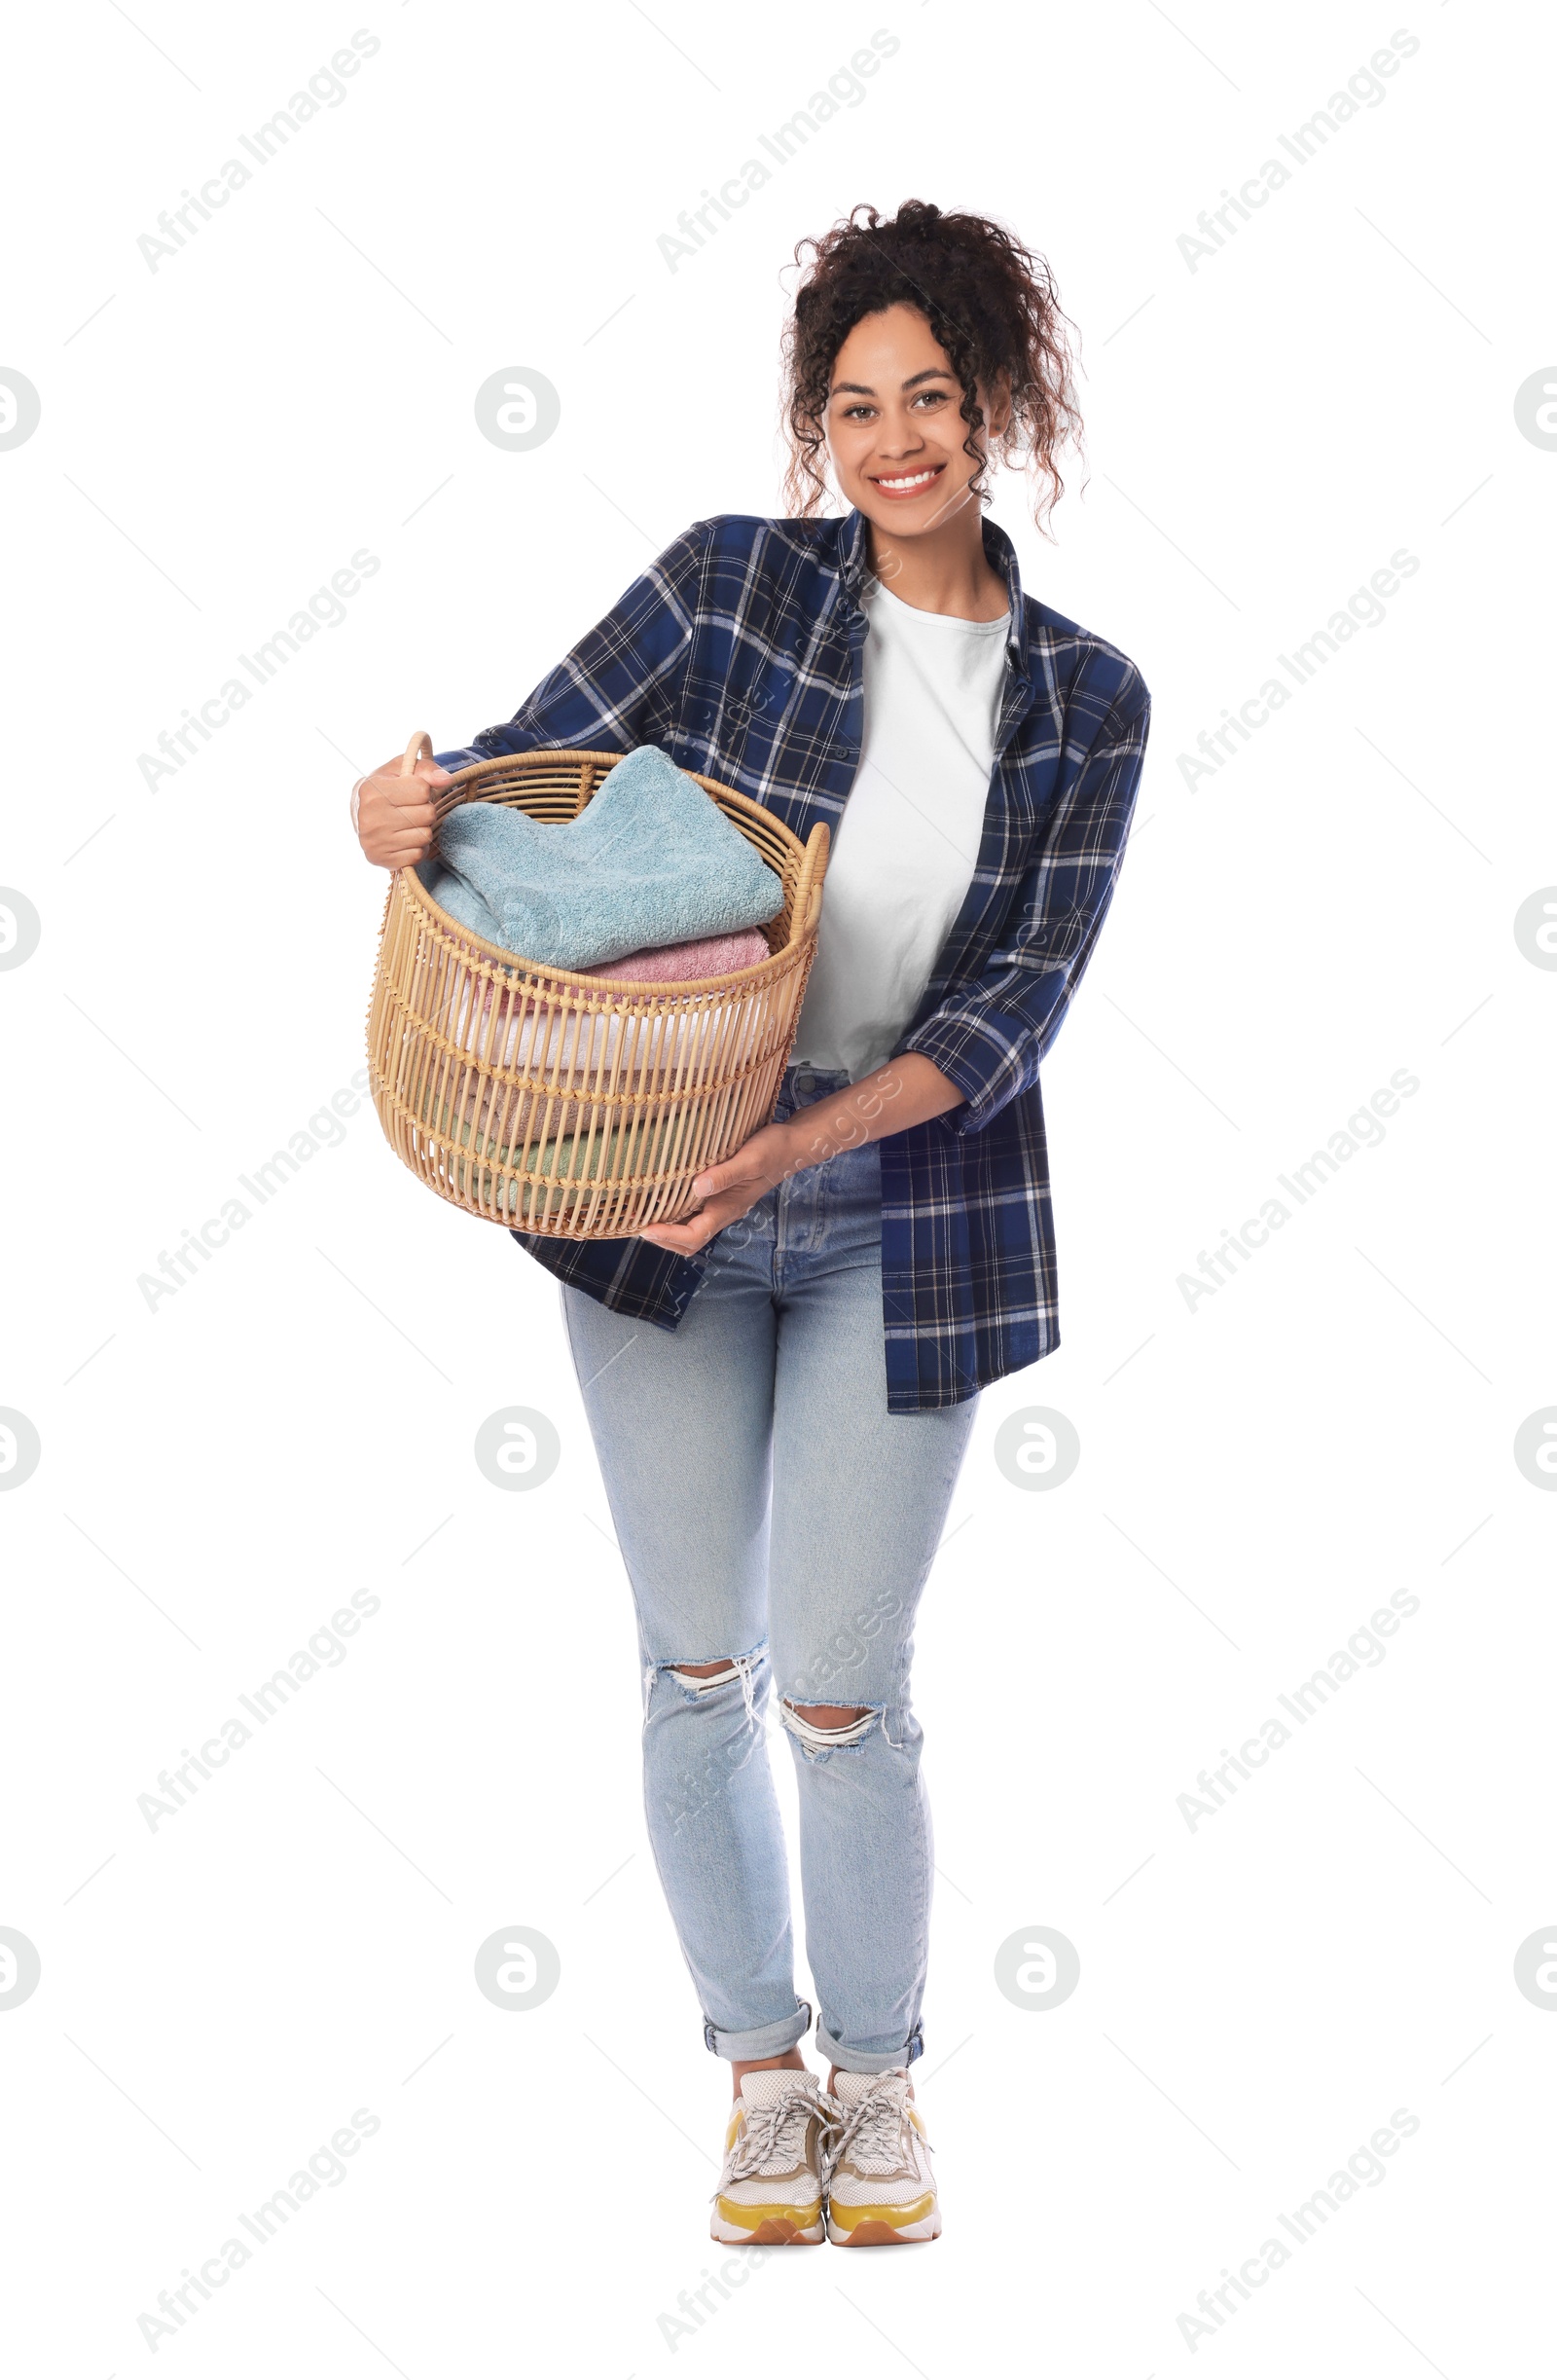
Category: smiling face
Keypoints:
(894, 426)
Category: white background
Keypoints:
(1260, 1472)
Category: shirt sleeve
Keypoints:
(990, 1035)
(620, 685)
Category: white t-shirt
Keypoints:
(908, 842)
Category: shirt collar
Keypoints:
(853, 566)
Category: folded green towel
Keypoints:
(556, 1161)
(651, 859)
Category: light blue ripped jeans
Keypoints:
(775, 1517)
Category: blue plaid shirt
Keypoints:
(740, 652)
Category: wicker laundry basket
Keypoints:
(562, 1104)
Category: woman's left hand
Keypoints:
(730, 1190)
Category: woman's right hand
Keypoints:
(395, 814)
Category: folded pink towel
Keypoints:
(673, 962)
(718, 954)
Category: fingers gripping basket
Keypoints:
(564, 1104)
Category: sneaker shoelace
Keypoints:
(773, 2135)
(873, 2127)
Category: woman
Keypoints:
(780, 1389)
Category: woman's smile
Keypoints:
(915, 483)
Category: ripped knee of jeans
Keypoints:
(852, 1724)
(700, 1679)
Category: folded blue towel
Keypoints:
(650, 859)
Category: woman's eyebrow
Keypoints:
(931, 372)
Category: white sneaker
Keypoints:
(880, 2181)
(769, 2191)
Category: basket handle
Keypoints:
(812, 869)
(419, 748)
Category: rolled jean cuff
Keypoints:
(760, 2040)
(867, 2061)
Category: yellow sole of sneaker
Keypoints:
(773, 2231)
(872, 2233)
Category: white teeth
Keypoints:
(919, 479)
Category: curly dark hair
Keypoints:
(992, 306)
